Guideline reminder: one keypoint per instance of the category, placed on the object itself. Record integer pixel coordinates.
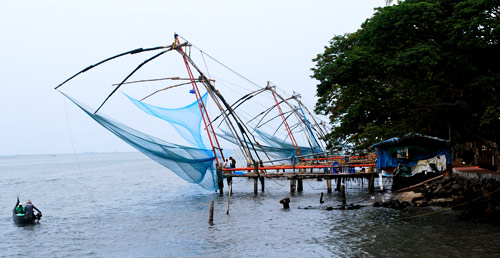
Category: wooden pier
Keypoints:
(328, 168)
(301, 173)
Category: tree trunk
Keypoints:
(476, 149)
(496, 152)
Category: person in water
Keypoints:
(29, 208)
(19, 208)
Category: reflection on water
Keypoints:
(124, 205)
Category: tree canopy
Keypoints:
(425, 66)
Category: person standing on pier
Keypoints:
(233, 162)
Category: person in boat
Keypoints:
(19, 208)
(29, 209)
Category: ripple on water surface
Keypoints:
(124, 205)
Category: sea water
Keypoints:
(125, 205)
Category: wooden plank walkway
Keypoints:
(296, 179)
(300, 175)
(300, 171)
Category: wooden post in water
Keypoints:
(229, 197)
(229, 180)
(300, 187)
(321, 198)
(371, 183)
(292, 184)
(342, 194)
(220, 182)
(221, 188)
(262, 179)
(255, 185)
(286, 203)
(211, 217)
(339, 180)
(328, 185)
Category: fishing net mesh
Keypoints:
(195, 165)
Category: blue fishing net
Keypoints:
(280, 144)
(313, 138)
(276, 148)
(185, 120)
(274, 152)
(195, 165)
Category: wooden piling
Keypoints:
(286, 203)
(262, 183)
(221, 187)
(229, 197)
(371, 183)
(220, 181)
(300, 186)
(211, 217)
(229, 180)
(321, 198)
(339, 181)
(342, 194)
(329, 186)
(255, 185)
(292, 184)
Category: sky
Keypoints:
(45, 42)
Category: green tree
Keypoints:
(427, 66)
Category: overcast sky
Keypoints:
(44, 42)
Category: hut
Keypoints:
(413, 158)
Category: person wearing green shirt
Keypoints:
(20, 209)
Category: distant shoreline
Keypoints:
(61, 154)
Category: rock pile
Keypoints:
(478, 200)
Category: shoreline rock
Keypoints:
(477, 200)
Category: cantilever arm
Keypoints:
(130, 74)
(135, 51)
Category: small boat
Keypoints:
(24, 219)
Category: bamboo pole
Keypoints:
(342, 194)
(255, 185)
(211, 217)
(371, 183)
(229, 197)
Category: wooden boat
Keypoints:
(24, 219)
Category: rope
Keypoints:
(274, 189)
(77, 161)
(307, 181)
(206, 67)
(225, 66)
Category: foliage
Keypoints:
(427, 66)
